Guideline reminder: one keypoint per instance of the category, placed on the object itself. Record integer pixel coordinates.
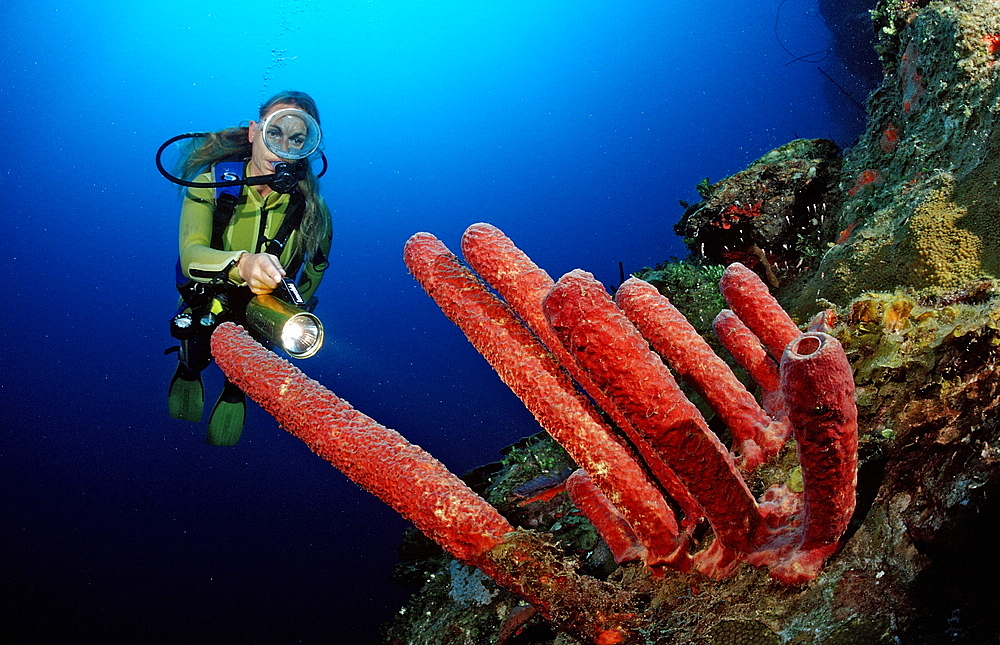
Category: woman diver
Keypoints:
(251, 220)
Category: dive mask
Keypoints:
(291, 134)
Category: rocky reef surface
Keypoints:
(919, 191)
(897, 241)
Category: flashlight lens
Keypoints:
(302, 336)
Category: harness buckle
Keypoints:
(275, 242)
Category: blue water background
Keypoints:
(574, 127)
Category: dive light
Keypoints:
(284, 323)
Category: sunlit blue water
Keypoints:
(575, 127)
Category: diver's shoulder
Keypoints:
(202, 193)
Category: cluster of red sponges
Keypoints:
(806, 381)
(658, 460)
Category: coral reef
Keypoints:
(927, 222)
(756, 217)
(920, 544)
(912, 204)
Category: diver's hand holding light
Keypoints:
(277, 316)
(282, 321)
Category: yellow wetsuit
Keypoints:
(202, 263)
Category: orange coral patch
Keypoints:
(992, 42)
(890, 137)
(846, 233)
(865, 177)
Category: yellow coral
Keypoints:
(947, 254)
(951, 237)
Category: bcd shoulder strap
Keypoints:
(226, 198)
(293, 217)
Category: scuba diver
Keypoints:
(251, 221)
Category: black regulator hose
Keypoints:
(285, 179)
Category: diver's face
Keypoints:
(287, 133)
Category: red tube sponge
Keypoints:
(693, 360)
(523, 285)
(609, 347)
(818, 385)
(748, 352)
(751, 300)
(376, 458)
(610, 524)
(528, 369)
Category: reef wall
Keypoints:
(919, 192)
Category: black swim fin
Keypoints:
(225, 426)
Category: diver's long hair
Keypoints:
(233, 144)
